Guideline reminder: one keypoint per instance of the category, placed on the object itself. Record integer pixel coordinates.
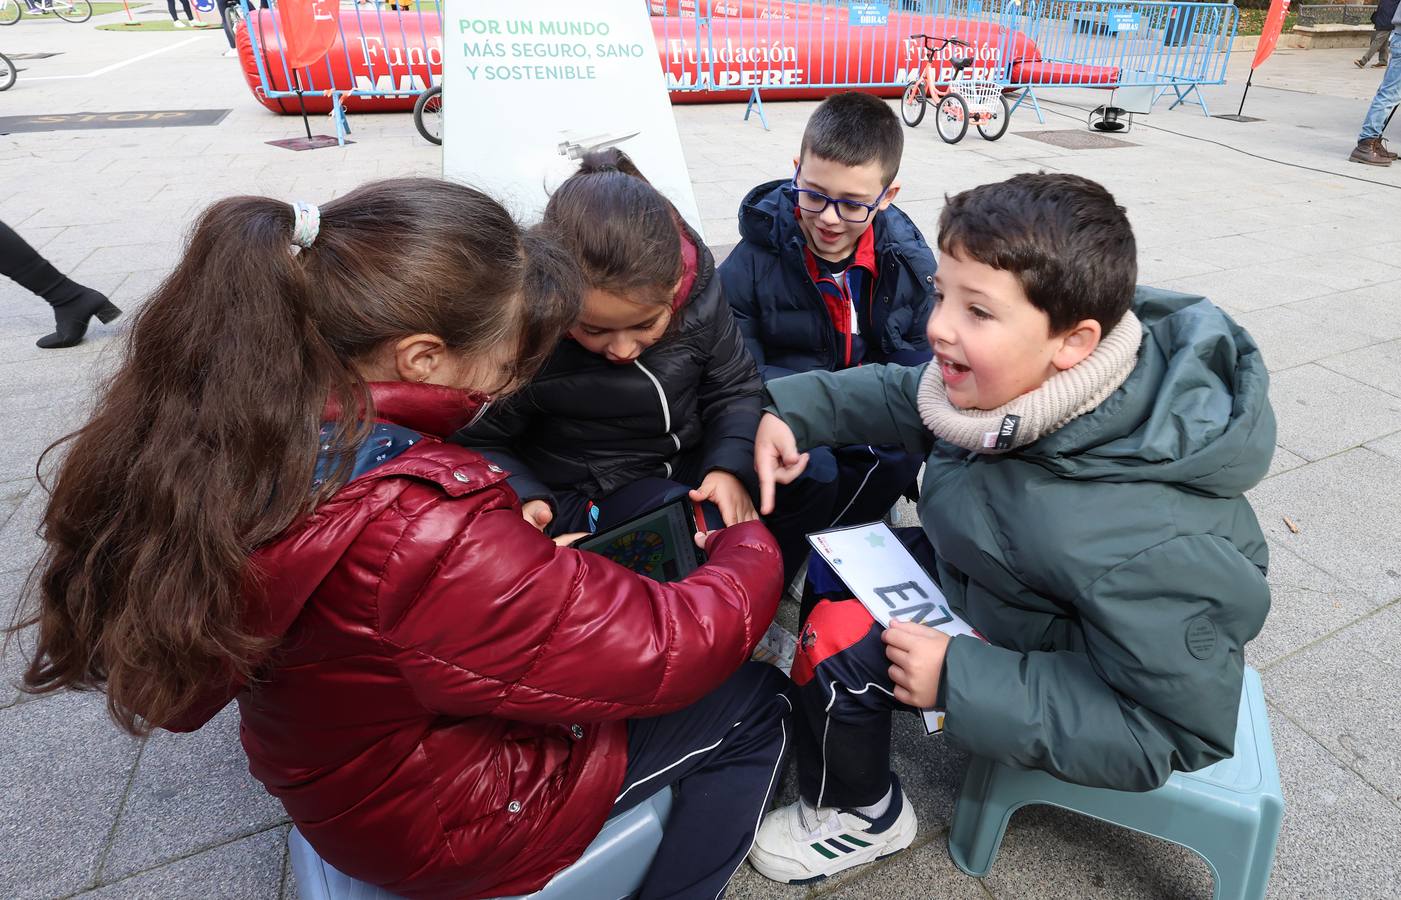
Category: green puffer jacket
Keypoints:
(1114, 565)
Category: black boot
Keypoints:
(72, 315)
(73, 303)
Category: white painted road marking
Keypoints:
(115, 66)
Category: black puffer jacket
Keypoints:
(587, 425)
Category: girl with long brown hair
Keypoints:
(262, 509)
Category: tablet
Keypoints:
(660, 544)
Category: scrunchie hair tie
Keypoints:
(306, 225)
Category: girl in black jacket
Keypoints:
(652, 395)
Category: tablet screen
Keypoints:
(659, 544)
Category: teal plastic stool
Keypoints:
(612, 868)
(1229, 813)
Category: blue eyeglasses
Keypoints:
(816, 202)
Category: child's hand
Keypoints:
(916, 654)
(727, 492)
(564, 540)
(776, 458)
(537, 513)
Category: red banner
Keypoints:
(308, 30)
(399, 56)
(1274, 23)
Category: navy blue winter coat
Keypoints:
(780, 311)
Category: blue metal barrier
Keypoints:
(1022, 45)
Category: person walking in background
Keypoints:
(1381, 18)
(193, 23)
(74, 304)
(1370, 149)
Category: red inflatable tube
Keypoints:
(781, 58)
(400, 54)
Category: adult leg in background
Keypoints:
(1387, 97)
(73, 303)
(1376, 48)
(723, 755)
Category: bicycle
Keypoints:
(958, 102)
(8, 73)
(11, 11)
(232, 16)
(428, 114)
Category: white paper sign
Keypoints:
(528, 88)
(889, 582)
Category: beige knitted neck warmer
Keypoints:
(1063, 397)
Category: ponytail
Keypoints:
(625, 235)
(203, 446)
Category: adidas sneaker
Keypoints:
(796, 845)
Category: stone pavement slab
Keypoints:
(14, 652)
(1340, 838)
(248, 869)
(19, 543)
(1388, 446)
(1343, 692)
(1378, 365)
(1371, 308)
(1346, 508)
(1058, 853)
(924, 871)
(190, 791)
(65, 773)
(1320, 412)
(1306, 604)
(1290, 337)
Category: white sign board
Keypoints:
(528, 88)
(889, 582)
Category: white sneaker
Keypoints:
(179, 24)
(793, 850)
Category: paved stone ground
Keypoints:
(1309, 260)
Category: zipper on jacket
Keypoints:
(666, 411)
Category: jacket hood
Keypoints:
(766, 219)
(1195, 412)
(699, 268)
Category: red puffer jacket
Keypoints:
(444, 714)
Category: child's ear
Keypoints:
(890, 193)
(1077, 344)
(419, 357)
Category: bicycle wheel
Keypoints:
(7, 72)
(10, 11)
(73, 10)
(232, 16)
(998, 126)
(951, 118)
(912, 103)
(428, 114)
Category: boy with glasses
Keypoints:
(828, 275)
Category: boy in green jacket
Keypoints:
(1082, 507)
